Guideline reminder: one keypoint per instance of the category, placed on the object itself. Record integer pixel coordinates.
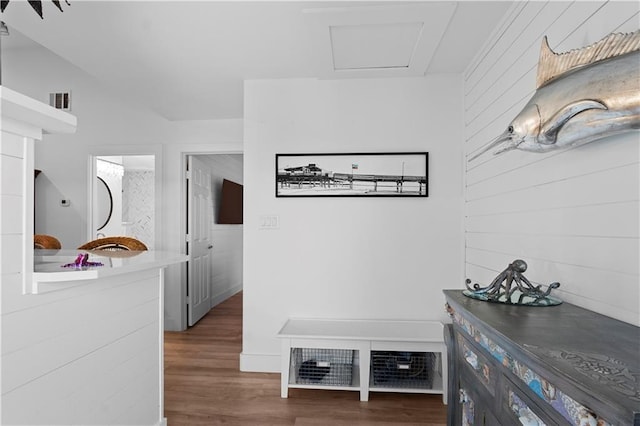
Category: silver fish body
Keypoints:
(581, 105)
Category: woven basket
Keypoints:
(41, 241)
(114, 244)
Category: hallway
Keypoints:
(203, 386)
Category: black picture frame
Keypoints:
(368, 174)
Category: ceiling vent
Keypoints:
(60, 100)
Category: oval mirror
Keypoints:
(104, 203)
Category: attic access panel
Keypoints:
(357, 47)
(389, 40)
(403, 174)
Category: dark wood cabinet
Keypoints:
(560, 365)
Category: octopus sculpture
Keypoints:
(505, 285)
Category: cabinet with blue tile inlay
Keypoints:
(560, 365)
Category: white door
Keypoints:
(200, 219)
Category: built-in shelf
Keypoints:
(41, 118)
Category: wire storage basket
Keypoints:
(402, 369)
(325, 367)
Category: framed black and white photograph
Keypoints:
(403, 174)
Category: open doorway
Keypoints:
(214, 246)
(123, 197)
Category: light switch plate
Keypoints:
(269, 221)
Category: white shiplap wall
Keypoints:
(11, 212)
(90, 353)
(572, 215)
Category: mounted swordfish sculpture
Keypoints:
(581, 96)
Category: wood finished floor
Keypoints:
(204, 386)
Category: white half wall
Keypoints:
(90, 354)
(572, 215)
(372, 258)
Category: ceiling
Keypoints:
(187, 60)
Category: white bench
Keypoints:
(361, 338)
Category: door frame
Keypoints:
(115, 150)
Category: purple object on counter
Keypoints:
(82, 261)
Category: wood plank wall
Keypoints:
(11, 217)
(572, 215)
(89, 353)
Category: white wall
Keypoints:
(349, 257)
(110, 123)
(103, 119)
(571, 215)
(226, 274)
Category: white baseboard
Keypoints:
(163, 422)
(260, 363)
(219, 298)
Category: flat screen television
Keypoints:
(230, 211)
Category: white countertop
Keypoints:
(48, 264)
